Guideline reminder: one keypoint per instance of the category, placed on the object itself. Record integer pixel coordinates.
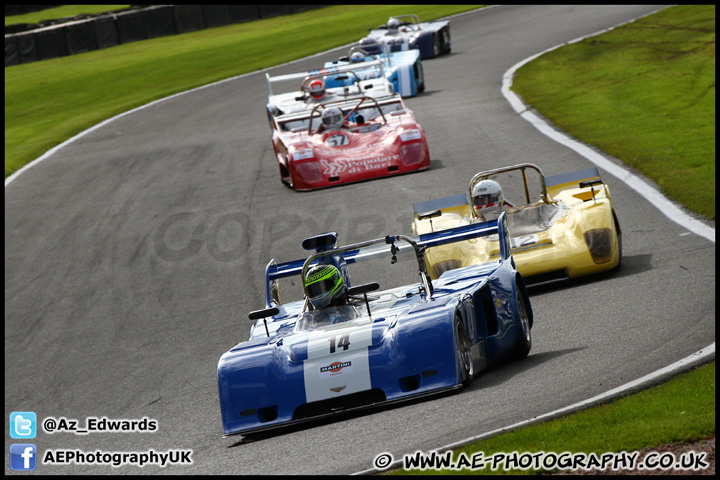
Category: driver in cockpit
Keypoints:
(487, 201)
(393, 24)
(332, 118)
(327, 296)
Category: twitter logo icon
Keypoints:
(23, 425)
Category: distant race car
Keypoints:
(291, 93)
(571, 230)
(378, 137)
(406, 32)
(403, 68)
(383, 346)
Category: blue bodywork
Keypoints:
(402, 68)
(429, 38)
(404, 342)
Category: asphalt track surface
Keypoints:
(133, 254)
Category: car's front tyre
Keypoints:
(463, 357)
(524, 344)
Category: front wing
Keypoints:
(274, 384)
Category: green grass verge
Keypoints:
(680, 410)
(644, 93)
(48, 102)
(60, 11)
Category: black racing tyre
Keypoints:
(463, 356)
(446, 47)
(421, 79)
(618, 234)
(285, 175)
(522, 348)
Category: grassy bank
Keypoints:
(678, 411)
(644, 93)
(50, 101)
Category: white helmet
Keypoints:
(393, 24)
(357, 57)
(332, 118)
(487, 197)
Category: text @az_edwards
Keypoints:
(98, 424)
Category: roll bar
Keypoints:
(521, 166)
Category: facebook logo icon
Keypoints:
(23, 425)
(23, 456)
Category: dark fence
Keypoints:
(103, 31)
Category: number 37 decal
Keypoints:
(336, 140)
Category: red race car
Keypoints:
(347, 141)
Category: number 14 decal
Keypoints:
(343, 342)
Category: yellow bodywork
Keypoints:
(549, 239)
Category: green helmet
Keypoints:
(325, 286)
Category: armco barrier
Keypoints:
(159, 21)
(107, 30)
(79, 37)
(189, 18)
(106, 33)
(50, 43)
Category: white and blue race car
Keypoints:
(384, 346)
(290, 93)
(407, 32)
(402, 68)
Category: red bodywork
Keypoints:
(387, 144)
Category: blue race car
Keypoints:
(291, 93)
(403, 68)
(382, 346)
(406, 32)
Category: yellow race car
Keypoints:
(569, 230)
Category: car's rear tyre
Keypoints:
(419, 76)
(524, 344)
(463, 357)
(285, 176)
(446, 48)
(618, 237)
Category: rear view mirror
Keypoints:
(363, 290)
(268, 312)
(431, 214)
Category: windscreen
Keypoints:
(368, 113)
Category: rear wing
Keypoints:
(388, 246)
(322, 72)
(440, 204)
(572, 177)
(584, 178)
